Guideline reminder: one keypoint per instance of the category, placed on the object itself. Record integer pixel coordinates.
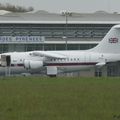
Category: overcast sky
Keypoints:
(69, 5)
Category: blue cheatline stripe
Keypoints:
(20, 65)
(70, 64)
(61, 64)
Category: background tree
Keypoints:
(13, 8)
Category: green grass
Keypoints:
(62, 98)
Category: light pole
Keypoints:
(66, 19)
(66, 14)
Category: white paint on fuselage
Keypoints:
(85, 58)
(19, 57)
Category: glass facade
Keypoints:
(113, 69)
(50, 31)
(55, 30)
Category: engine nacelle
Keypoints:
(31, 64)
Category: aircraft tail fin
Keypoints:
(110, 43)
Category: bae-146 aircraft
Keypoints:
(108, 50)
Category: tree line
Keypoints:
(14, 8)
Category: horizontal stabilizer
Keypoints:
(100, 64)
(116, 26)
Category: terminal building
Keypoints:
(52, 31)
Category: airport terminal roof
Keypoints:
(99, 17)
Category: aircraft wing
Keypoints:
(48, 54)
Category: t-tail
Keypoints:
(110, 43)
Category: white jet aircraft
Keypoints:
(108, 50)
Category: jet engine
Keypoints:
(31, 64)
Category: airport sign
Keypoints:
(21, 39)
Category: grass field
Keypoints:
(62, 98)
